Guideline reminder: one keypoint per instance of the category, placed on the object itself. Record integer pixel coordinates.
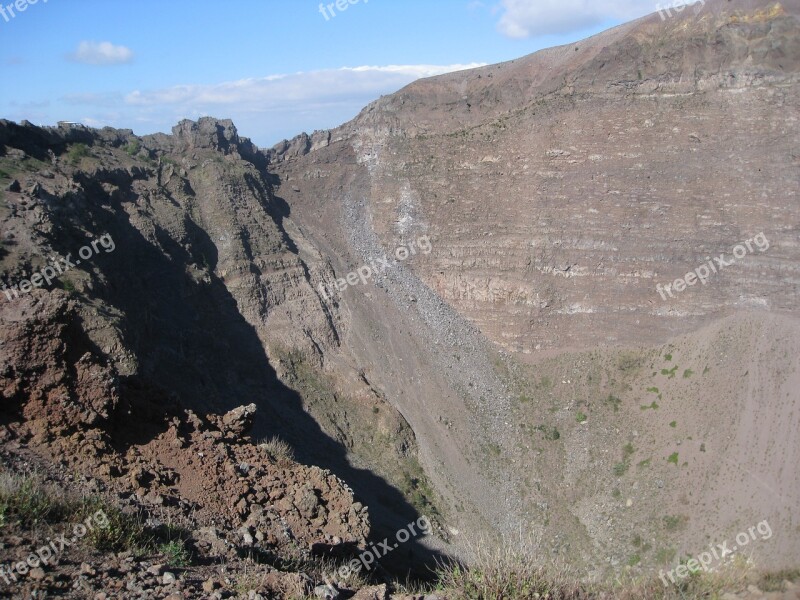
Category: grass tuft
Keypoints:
(278, 450)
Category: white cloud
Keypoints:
(266, 108)
(285, 91)
(101, 53)
(528, 18)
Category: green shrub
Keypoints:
(670, 373)
(27, 500)
(133, 147)
(581, 418)
(550, 433)
(77, 152)
(175, 553)
(68, 286)
(627, 451)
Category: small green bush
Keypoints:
(670, 373)
(175, 553)
(132, 148)
(627, 451)
(614, 402)
(77, 152)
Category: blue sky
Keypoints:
(277, 68)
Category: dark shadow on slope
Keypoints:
(195, 348)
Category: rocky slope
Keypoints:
(558, 191)
(499, 360)
(194, 301)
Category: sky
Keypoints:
(276, 67)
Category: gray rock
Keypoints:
(326, 592)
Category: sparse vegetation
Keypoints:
(132, 148)
(278, 449)
(675, 522)
(506, 573)
(673, 424)
(688, 373)
(77, 152)
(614, 402)
(550, 433)
(67, 285)
(581, 417)
(629, 362)
(29, 502)
(175, 553)
(620, 469)
(494, 449)
(670, 373)
(673, 458)
(627, 451)
(665, 555)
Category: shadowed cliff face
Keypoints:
(523, 377)
(203, 302)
